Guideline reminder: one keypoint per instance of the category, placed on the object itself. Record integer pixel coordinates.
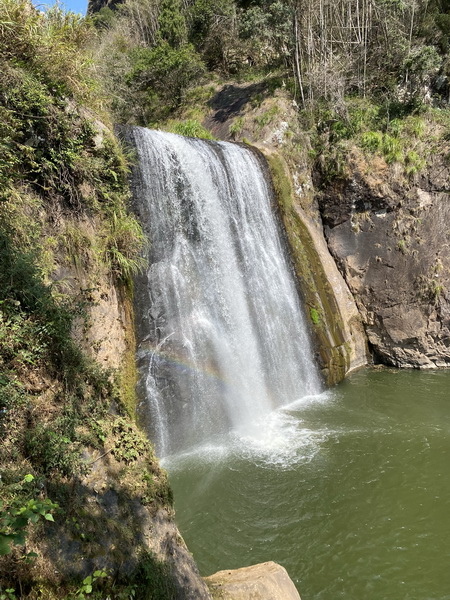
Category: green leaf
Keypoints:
(49, 517)
(88, 580)
(5, 544)
(100, 573)
(28, 478)
(19, 522)
(88, 589)
(19, 538)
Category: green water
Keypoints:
(349, 491)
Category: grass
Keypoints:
(189, 128)
(400, 134)
(237, 127)
(267, 117)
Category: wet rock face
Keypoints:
(391, 241)
(266, 581)
(335, 325)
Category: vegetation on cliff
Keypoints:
(66, 238)
(386, 49)
(372, 74)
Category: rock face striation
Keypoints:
(335, 323)
(266, 581)
(391, 240)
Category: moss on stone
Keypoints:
(128, 371)
(328, 331)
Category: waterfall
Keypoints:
(222, 338)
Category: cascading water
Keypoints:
(222, 338)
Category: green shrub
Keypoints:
(53, 45)
(89, 583)
(104, 18)
(387, 145)
(237, 126)
(172, 23)
(315, 315)
(162, 74)
(52, 452)
(421, 65)
(38, 324)
(130, 444)
(392, 149)
(413, 163)
(18, 512)
(267, 117)
(372, 140)
(124, 240)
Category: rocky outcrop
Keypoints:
(387, 233)
(266, 581)
(333, 315)
(119, 510)
(391, 240)
(127, 536)
(128, 523)
(69, 416)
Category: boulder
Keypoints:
(265, 581)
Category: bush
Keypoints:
(421, 66)
(163, 74)
(372, 140)
(16, 514)
(52, 452)
(36, 324)
(52, 45)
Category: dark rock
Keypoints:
(391, 241)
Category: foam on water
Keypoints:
(276, 440)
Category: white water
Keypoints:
(222, 338)
(283, 442)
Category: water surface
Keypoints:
(350, 491)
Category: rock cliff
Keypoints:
(390, 238)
